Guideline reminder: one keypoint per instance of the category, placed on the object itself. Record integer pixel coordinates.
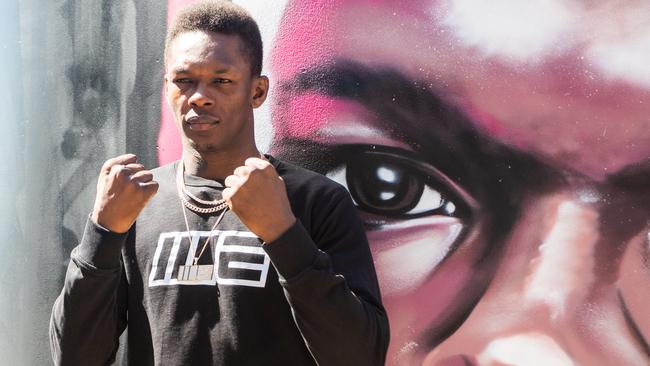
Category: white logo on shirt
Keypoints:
(251, 257)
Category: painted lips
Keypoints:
(458, 360)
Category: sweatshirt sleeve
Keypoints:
(331, 285)
(90, 313)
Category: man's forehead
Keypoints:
(199, 46)
(554, 86)
(206, 39)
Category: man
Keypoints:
(499, 155)
(282, 277)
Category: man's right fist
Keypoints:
(123, 189)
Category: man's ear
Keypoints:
(260, 90)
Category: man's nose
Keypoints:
(201, 97)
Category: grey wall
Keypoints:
(84, 84)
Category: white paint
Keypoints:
(411, 260)
(342, 131)
(386, 175)
(513, 29)
(348, 129)
(626, 58)
(339, 175)
(430, 200)
(589, 195)
(450, 207)
(565, 263)
(530, 349)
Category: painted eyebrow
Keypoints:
(624, 211)
(413, 111)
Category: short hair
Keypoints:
(220, 17)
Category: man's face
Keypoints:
(211, 91)
(500, 158)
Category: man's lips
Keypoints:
(201, 123)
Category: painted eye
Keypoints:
(394, 186)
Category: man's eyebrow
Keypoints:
(413, 112)
(182, 70)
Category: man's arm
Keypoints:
(333, 290)
(90, 314)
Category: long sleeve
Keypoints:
(90, 313)
(331, 285)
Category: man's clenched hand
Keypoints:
(123, 189)
(256, 193)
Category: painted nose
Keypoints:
(536, 295)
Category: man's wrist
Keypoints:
(98, 220)
(279, 229)
(292, 252)
(99, 246)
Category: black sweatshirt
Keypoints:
(310, 297)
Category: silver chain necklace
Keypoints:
(195, 271)
(218, 205)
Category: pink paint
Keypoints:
(169, 140)
(292, 47)
(306, 32)
(173, 6)
(490, 123)
(305, 114)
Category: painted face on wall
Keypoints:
(499, 154)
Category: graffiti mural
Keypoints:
(499, 154)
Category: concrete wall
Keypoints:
(498, 152)
(82, 83)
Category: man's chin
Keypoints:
(202, 147)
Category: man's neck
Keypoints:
(216, 165)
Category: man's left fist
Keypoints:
(256, 193)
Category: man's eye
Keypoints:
(394, 186)
(222, 81)
(182, 80)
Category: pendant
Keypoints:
(195, 272)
